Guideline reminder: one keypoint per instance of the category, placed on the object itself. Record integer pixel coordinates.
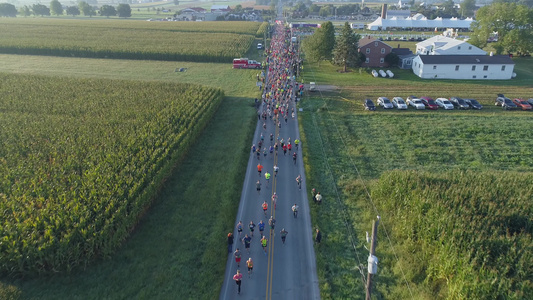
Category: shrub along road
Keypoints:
(284, 271)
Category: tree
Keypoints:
(124, 10)
(320, 45)
(513, 24)
(238, 9)
(56, 8)
(324, 11)
(25, 11)
(176, 2)
(86, 9)
(40, 10)
(73, 11)
(8, 10)
(346, 51)
(392, 59)
(467, 8)
(108, 10)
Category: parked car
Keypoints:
(444, 103)
(524, 105)
(504, 102)
(459, 103)
(429, 103)
(473, 103)
(259, 46)
(369, 105)
(530, 101)
(385, 102)
(399, 103)
(415, 102)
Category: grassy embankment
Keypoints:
(338, 135)
(179, 247)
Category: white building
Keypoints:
(420, 22)
(463, 66)
(441, 45)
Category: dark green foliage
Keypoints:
(8, 10)
(320, 45)
(82, 161)
(469, 232)
(108, 11)
(346, 52)
(56, 8)
(392, 59)
(124, 10)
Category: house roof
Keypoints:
(368, 39)
(419, 21)
(221, 7)
(398, 13)
(402, 51)
(466, 59)
(442, 44)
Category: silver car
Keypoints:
(415, 102)
(444, 103)
(399, 103)
(385, 102)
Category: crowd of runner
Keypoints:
(275, 110)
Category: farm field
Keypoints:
(339, 136)
(184, 41)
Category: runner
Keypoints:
(283, 234)
(267, 177)
(276, 169)
(239, 228)
(295, 210)
(252, 227)
(299, 182)
(274, 199)
(237, 277)
(284, 149)
(296, 143)
(265, 207)
(246, 240)
(264, 242)
(259, 169)
(237, 255)
(250, 265)
(261, 226)
(258, 186)
(272, 222)
(294, 156)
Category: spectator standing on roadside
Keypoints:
(318, 236)
(318, 198)
(230, 242)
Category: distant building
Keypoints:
(398, 14)
(418, 21)
(405, 56)
(194, 10)
(374, 51)
(463, 66)
(441, 45)
(220, 9)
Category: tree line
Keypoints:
(57, 9)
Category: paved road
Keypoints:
(286, 271)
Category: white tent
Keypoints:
(419, 21)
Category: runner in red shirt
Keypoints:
(237, 277)
(259, 169)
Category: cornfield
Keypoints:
(185, 41)
(468, 234)
(82, 159)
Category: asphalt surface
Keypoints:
(285, 271)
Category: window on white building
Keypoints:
(485, 68)
(484, 76)
(382, 50)
(408, 62)
(367, 60)
(458, 47)
(381, 60)
(474, 76)
(367, 50)
(473, 68)
(457, 68)
(503, 68)
(434, 67)
(470, 48)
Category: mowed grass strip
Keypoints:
(338, 134)
(111, 39)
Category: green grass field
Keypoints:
(338, 136)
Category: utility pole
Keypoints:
(372, 259)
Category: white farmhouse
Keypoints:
(463, 66)
(441, 45)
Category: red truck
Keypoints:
(245, 63)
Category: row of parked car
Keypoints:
(423, 103)
(516, 103)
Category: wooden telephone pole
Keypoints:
(372, 259)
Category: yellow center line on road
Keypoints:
(270, 261)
